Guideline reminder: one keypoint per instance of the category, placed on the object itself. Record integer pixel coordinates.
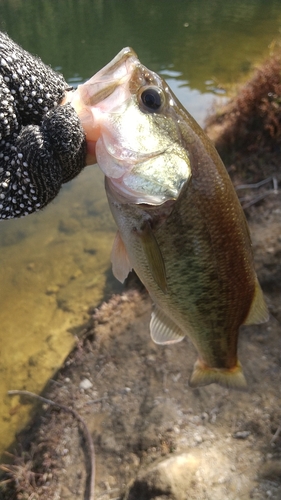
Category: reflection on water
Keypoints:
(55, 264)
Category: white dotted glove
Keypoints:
(42, 144)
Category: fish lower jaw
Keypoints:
(124, 194)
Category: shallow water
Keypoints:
(56, 264)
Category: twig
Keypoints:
(276, 435)
(254, 200)
(87, 435)
(257, 185)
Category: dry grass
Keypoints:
(250, 124)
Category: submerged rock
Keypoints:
(170, 478)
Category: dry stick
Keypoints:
(276, 435)
(256, 186)
(86, 432)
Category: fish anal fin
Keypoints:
(258, 311)
(163, 330)
(232, 378)
(120, 261)
(153, 255)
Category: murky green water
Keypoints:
(55, 264)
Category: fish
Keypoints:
(181, 227)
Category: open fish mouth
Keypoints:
(123, 69)
(115, 74)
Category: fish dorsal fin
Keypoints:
(154, 256)
(162, 329)
(258, 311)
(120, 261)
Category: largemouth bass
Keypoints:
(180, 223)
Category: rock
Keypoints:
(241, 434)
(52, 290)
(169, 478)
(69, 226)
(200, 474)
(85, 384)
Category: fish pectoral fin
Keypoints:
(120, 261)
(231, 378)
(163, 330)
(153, 255)
(258, 311)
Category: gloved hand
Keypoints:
(42, 144)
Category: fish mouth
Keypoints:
(135, 164)
(108, 93)
(117, 72)
(124, 71)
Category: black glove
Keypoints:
(42, 144)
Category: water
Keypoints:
(56, 264)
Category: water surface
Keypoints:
(55, 264)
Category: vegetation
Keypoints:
(248, 128)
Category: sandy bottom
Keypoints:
(54, 265)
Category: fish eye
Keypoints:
(152, 99)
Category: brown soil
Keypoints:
(135, 398)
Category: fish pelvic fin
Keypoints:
(120, 261)
(258, 312)
(163, 330)
(231, 378)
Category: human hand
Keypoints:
(42, 144)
